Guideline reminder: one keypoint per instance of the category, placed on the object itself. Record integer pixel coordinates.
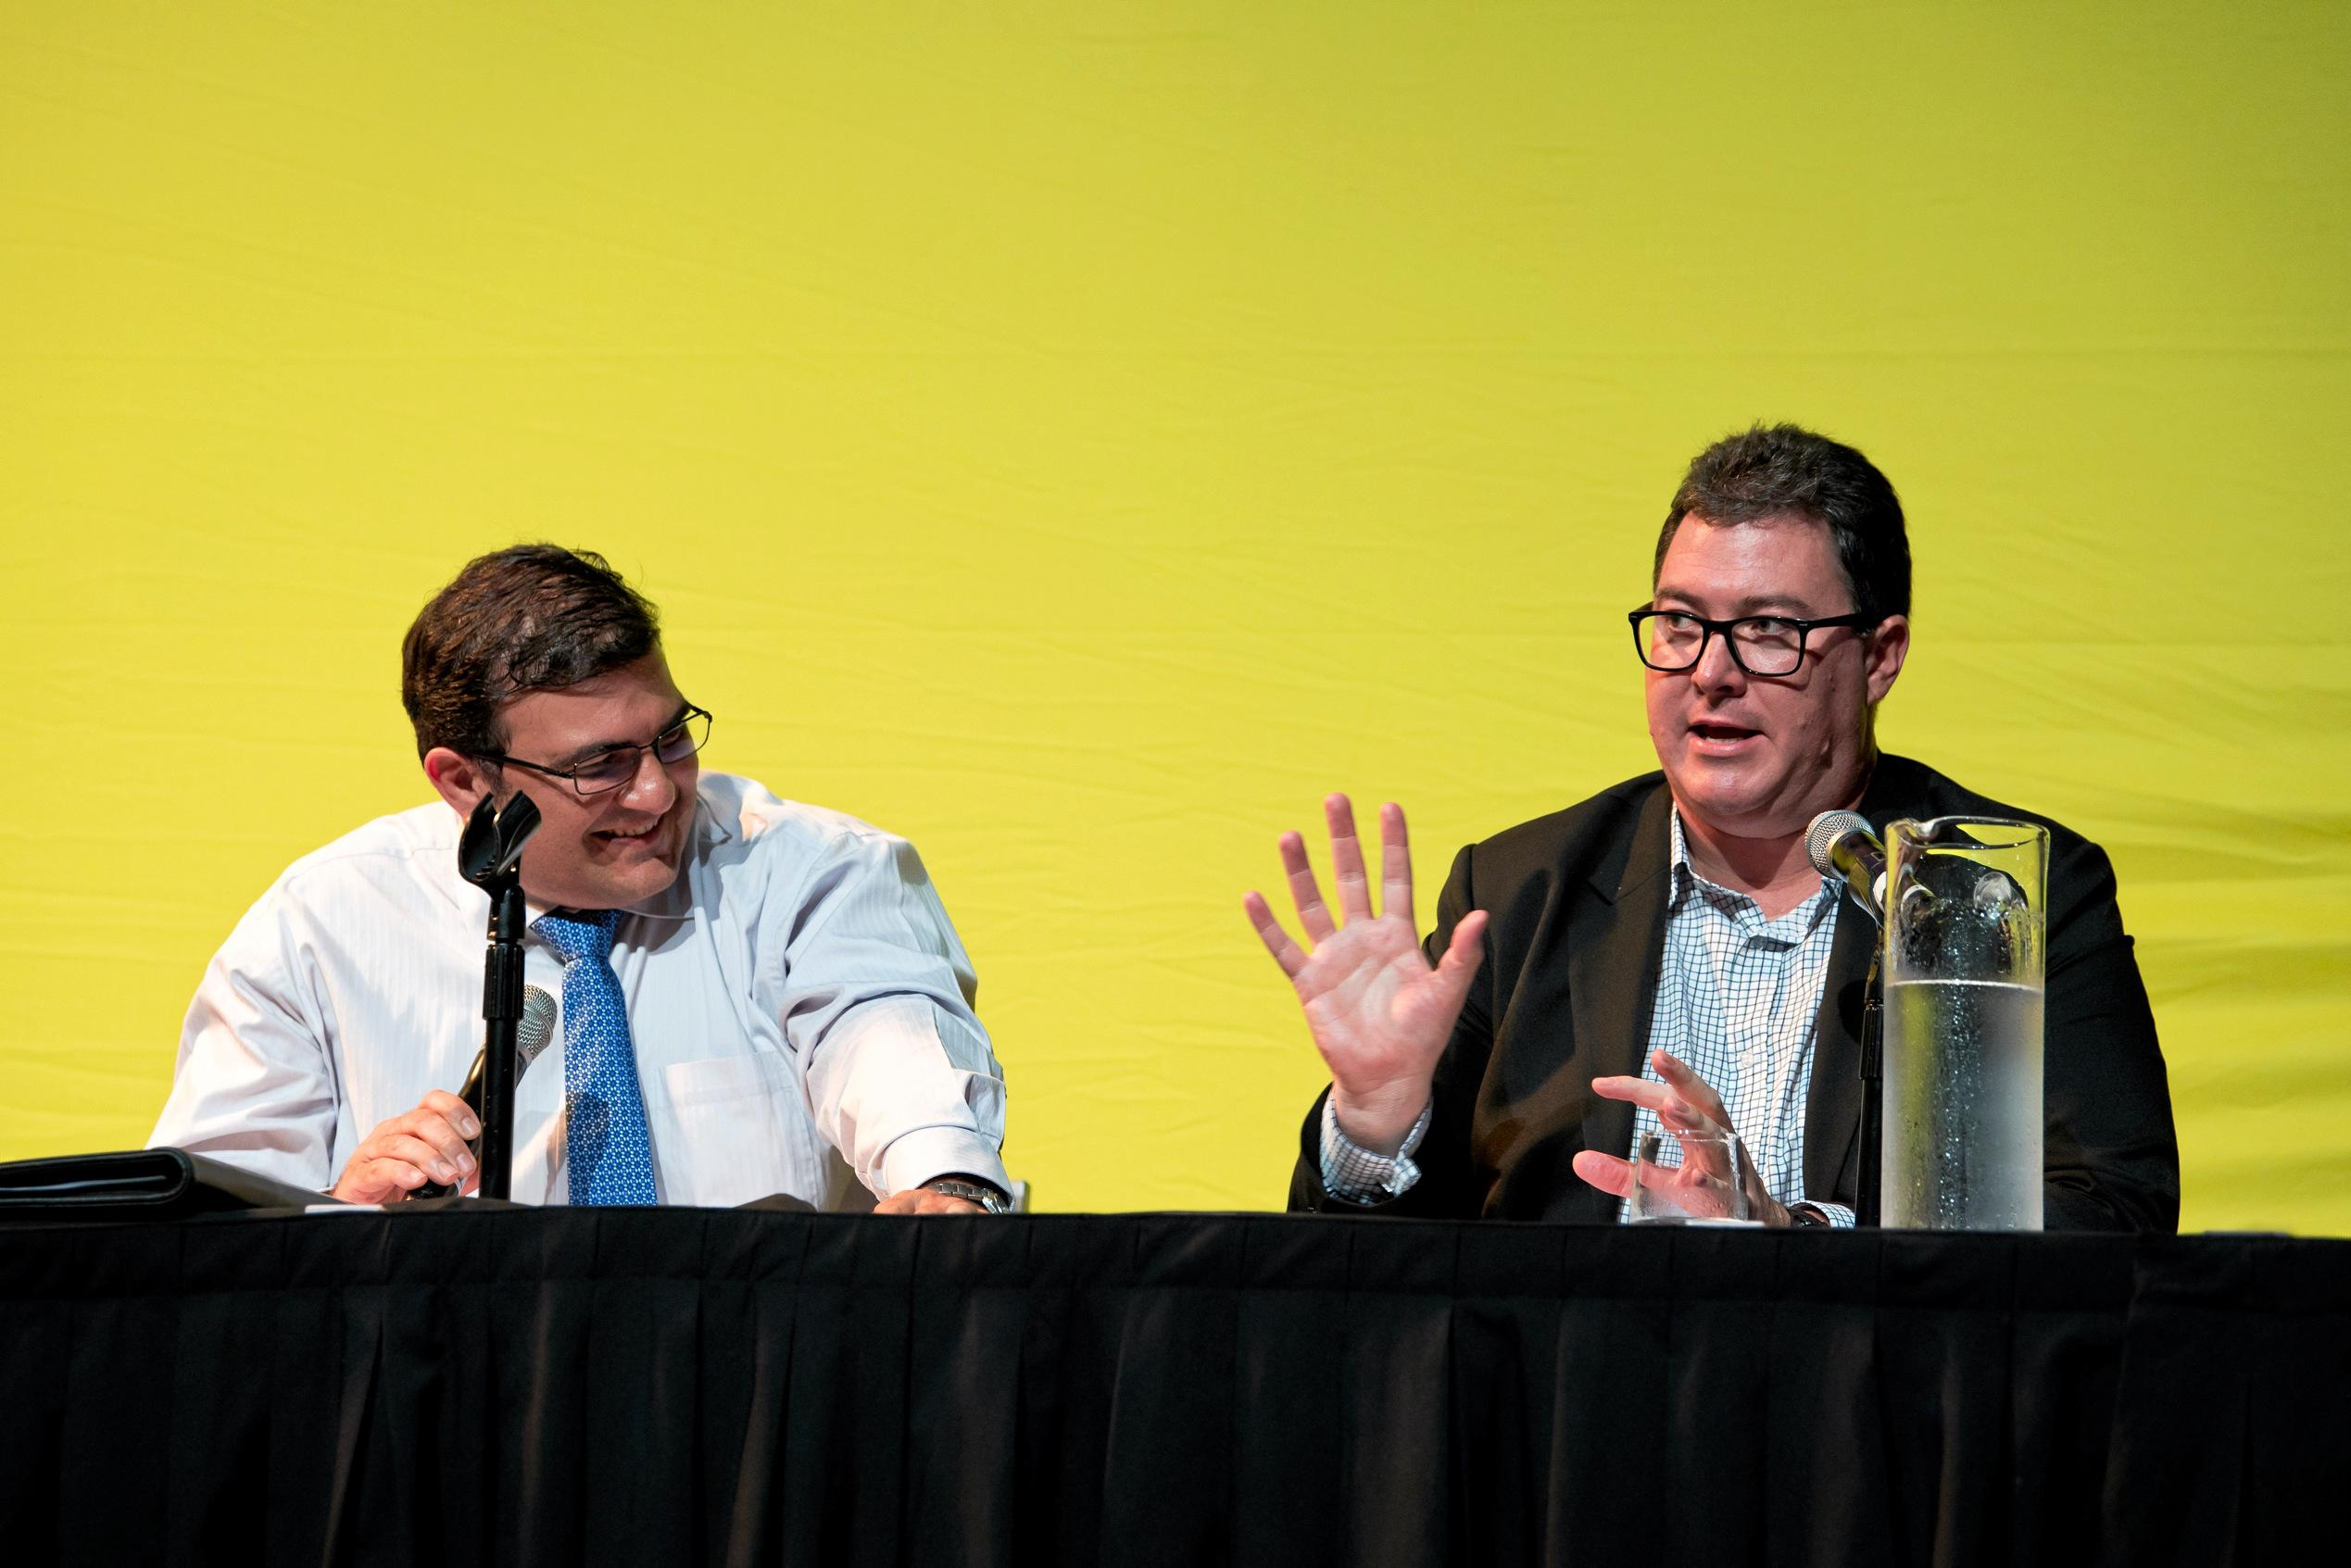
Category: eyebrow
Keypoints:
(1754, 604)
(588, 754)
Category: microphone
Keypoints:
(1841, 844)
(530, 1037)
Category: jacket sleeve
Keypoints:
(2111, 1159)
(1449, 1186)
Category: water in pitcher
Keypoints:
(1963, 1145)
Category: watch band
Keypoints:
(981, 1193)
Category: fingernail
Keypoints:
(465, 1163)
(470, 1127)
(441, 1171)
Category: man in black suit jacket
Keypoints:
(1498, 1069)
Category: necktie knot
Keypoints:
(573, 937)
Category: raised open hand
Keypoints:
(1379, 1014)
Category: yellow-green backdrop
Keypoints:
(1076, 436)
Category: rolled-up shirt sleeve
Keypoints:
(877, 1000)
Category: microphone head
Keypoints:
(536, 1026)
(1827, 828)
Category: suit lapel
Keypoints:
(1613, 967)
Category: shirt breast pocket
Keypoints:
(745, 1129)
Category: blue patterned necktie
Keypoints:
(610, 1153)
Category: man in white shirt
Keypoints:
(755, 997)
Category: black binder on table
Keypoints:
(138, 1184)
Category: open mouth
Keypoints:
(631, 835)
(1715, 736)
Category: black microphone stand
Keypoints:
(1870, 1178)
(490, 856)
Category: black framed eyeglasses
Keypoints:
(607, 770)
(1674, 640)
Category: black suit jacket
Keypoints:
(1576, 907)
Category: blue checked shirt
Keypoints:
(1737, 996)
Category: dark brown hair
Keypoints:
(525, 619)
(1778, 471)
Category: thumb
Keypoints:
(1605, 1171)
(1459, 966)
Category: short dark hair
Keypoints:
(525, 619)
(1777, 470)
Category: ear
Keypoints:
(460, 779)
(1889, 646)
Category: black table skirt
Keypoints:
(552, 1386)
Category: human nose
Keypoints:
(656, 794)
(1717, 669)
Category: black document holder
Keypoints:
(137, 1185)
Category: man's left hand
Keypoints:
(1684, 1103)
(922, 1200)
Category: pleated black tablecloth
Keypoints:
(558, 1386)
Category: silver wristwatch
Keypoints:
(987, 1197)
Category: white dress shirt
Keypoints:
(800, 1007)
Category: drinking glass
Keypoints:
(1696, 1178)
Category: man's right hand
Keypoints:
(425, 1145)
(1379, 1013)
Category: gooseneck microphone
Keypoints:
(1843, 845)
(530, 1036)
